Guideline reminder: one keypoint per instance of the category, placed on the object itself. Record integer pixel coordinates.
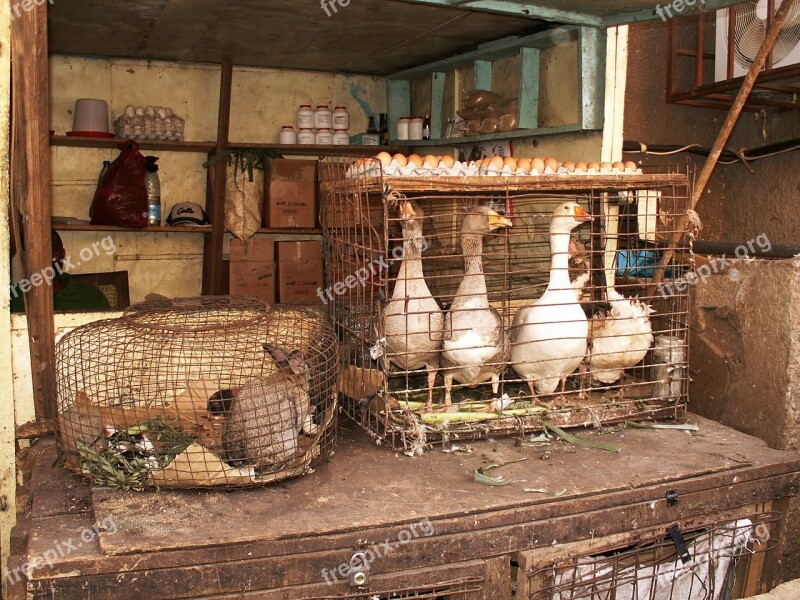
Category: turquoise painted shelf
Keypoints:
(591, 49)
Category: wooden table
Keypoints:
(425, 521)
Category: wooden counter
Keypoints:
(438, 523)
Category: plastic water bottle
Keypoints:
(153, 187)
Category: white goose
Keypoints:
(413, 321)
(475, 348)
(548, 336)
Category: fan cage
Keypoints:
(723, 558)
(364, 246)
(197, 392)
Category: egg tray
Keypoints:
(386, 417)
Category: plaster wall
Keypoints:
(262, 101)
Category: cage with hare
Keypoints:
(474, 301)
(197, 392)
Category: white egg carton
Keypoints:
(150, 123)
(372, 168)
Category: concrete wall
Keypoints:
(745, 342)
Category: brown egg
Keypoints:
(496, 163)
(580, 167)
(524, 164)
(538, 165)
(631, 166)
(569, 166)
(431, 161)
(416, 160)
(618, 167)
(401, 159)
(552, 163)
(593, 166)
(511, 163)
(448, 161)
(605, 167)
(385, 158)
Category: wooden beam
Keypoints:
(398, 93)
(592, 73)
(518, 9)
(213, 272)
(31, 184)
(529, 87)
(724, 134)
(437, 105)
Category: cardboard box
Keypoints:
(290, 193)
(252, 269)
(300, 272)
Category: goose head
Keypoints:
(411, 221)
(482, 220)
(567, 217)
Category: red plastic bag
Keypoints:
(121, 198)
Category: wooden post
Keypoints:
(724, 134)
(31, 182)
(213, 272)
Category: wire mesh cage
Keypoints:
(717, 561)
(470, 306)
(197, 392)
(463, 588)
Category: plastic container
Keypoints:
(323, 119)
(415, 128)
(152, 185)
(306, 136)
(90, 114)
(341, 119)
(403, 124)
(305, 117)
(324, 137)
(288, 135)
(341, 138)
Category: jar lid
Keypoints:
(323, 106)
(305, 106)
(342, 107)
(287, 127)
(305, 129)
(404, 118)
(416, 117)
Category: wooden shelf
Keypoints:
(504, 135)
(315, 150)
(290, 231)
(111, 143)
(152, 229)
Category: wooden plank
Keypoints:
(321, 151)
(506, 135)
(148, 229)
(529, 88)
(398, 94)
(529, 184)
(32, 163)
(483, 74)
(437, 105)
(591, 62)
(213, 271)
(521, 9)
(159, 145)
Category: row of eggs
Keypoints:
(416, 165)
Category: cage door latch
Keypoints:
(680, 544)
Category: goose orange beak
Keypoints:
(496, 220)
(581, 215)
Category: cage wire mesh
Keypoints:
(718, 564)
(463, 588)
(496, 294)
(197, 392)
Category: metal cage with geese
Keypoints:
(502, 303)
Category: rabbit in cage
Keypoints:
(266, 415)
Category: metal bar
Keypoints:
(529, 88)
(32, 180)
(483, 75)
(731, 41)
(213, 267)
(518, 9)
(437, 105)
(698, 62)
(725, 133)
(672, 33)
(692, 53)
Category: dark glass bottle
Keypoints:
(426, 128)
(371, 126)
(384, 126)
